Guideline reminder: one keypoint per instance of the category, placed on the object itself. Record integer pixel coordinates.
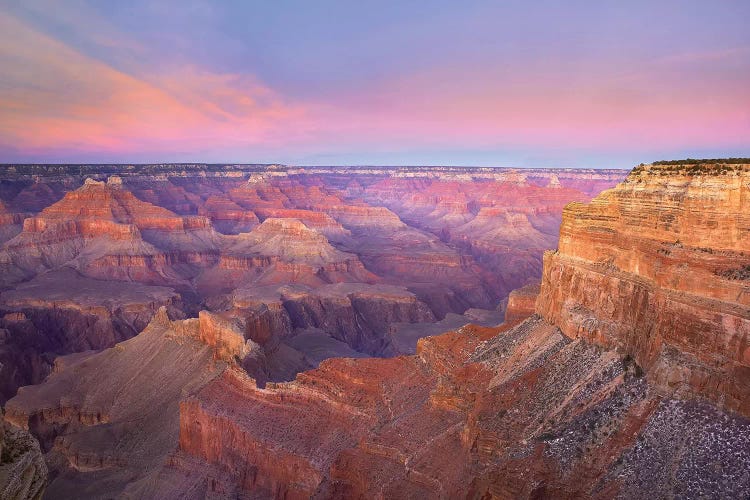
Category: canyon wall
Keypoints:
(108, 420)
(658, 268)
(23, 472)
(277, 270)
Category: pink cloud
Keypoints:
(59, 98)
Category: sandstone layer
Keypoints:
(654, 268)
(526, 413)
(280, 269)
(451, 240)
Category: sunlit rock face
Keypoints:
(658, 268)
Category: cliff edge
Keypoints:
(659, 269)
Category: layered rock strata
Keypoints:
(521, 304)
(60, 312)
(654, 268)
(619, 400)
(526, 413)
(107, 421)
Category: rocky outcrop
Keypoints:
(281, 251)
(504, 224)
(521, 304)
(451, 237)
(650, 268)
(227, 216)
(103, 230)
(289, 239)
(23, 472)
(476, 413)
(320, 221)
(61, 312)
(359, 315)
(121, 427)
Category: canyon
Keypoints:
(282, 332)
(316, 262)
(628, 379)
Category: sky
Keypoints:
(495, 83)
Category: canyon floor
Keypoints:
(201, 331)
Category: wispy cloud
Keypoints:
(54, 97)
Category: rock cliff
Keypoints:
(23, 472)
(456, 239)
(656, 268)
(108, 420)
(521, 304)
(478, 413)
(60, 312)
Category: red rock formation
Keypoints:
(227, 216)
(316, 279)
(282, 251)
(524, 414)
(110, 234)
(533, 411)
(114, 415)
(319, 221)
(504, 223)
(521, 304)
(654, 269)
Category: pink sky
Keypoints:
(64, 101)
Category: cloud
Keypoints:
(53, 97)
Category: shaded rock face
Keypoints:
(10, 223)
(63, 312)
(647, 268)
(102, 434)
(359, 316)
(23, 472)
